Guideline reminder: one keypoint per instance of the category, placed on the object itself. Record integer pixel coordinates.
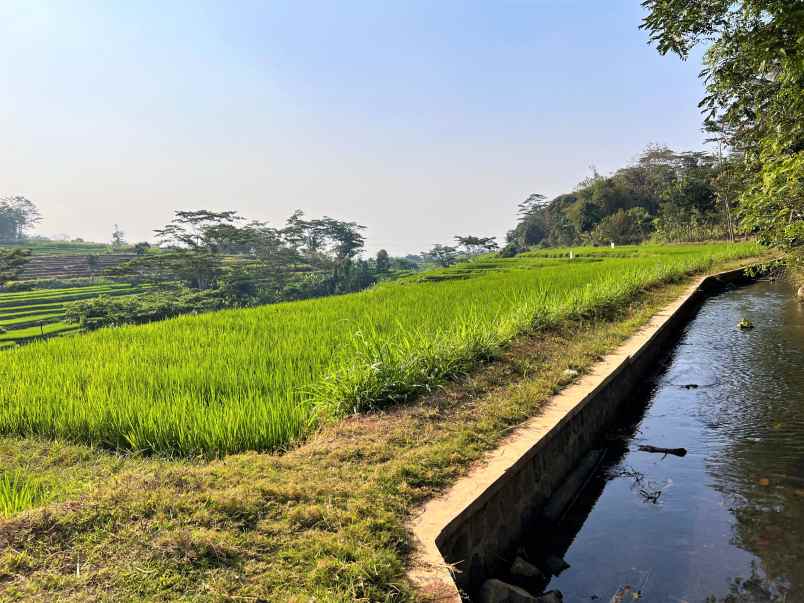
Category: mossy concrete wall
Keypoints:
(465, 535)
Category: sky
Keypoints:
(421, 120)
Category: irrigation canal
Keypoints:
(725, 522)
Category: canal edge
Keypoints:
(458, 535)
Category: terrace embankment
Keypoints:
(71, 266)
(464, 536)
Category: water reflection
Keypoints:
(725, 523)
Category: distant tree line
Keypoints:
(208, 260)
(665, 195)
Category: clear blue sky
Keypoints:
(421, 120)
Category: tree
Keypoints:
(276, 259)
(347, 239)
(347, 243)
(773, 206)
(199, 229)
(584, 214)
(383, 261)
(17, 214)
(475, 245)
(681, 188)
(142, 247)
(211, 260)
(443, 255)
(92, 264)
(118, 237)
(11, 263)
(623, 227)
(316, 238)
(691, 194)
(754, 75)
(249, 262)
(194, 241)
(327, 244)
(531, 204)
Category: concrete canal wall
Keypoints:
(467, 534)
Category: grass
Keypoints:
(19, 492)
(29, 315)
(322, 522)
(262, 378)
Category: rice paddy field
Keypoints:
(59, 247)
(262, 378)
(29, 315)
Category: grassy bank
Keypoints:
(324, 522)
(261, 378)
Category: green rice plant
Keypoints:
(261, 378)
(59, 293)
(36, 331)
(19, 492)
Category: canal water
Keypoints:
(726, 521)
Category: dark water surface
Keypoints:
(725, 522)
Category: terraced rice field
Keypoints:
(65, 266)
(261, 378)
(29, 315)
(60, 247)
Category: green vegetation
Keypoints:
(754, 75)
(29, 315)
(665, 196)
(19, 492)
(324, 521)
(284, 466)
(12, 261)
(216, 260)
(206, 261)
(55, 283)
(261, 378)
(41, 246)
(17, 215)
(105, 311)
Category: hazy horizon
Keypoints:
(418, 121)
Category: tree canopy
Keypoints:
(195, 245)
(754, 76)
(17, 215)
(383, 261)
(209, 260)
(442, 255)
(474, 245)
(670, 195)
(118, 237)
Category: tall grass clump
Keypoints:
(19, 492)
(260, 378)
